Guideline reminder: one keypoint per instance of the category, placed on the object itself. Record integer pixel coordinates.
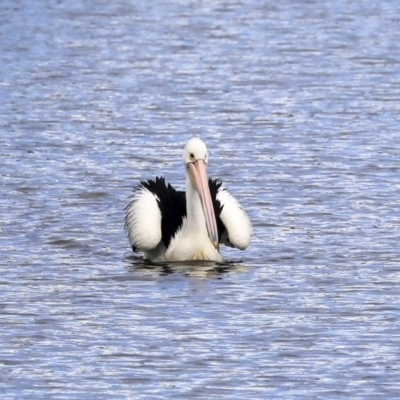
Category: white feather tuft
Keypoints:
(143, 220)
(235, 220)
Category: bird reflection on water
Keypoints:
(193, 269)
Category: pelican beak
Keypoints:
(198, 178)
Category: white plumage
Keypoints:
(236, 221)
(144, 221)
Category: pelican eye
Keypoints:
(191, 156)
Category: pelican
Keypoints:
(170, 225)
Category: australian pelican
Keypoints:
(170, 225)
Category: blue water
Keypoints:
(299, 105)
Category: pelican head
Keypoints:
(195, 159)
(195, 149)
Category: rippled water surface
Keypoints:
(299, 104)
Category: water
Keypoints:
(298, 102)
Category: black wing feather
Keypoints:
(215, 185)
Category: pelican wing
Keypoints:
(143, 219)
(154, 215)
(234, 226)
